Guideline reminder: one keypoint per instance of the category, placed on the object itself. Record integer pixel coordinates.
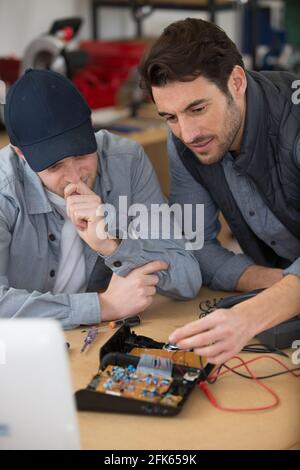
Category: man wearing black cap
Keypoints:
(55, 251)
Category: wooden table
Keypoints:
(199, 425)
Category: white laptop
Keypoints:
(37, 408)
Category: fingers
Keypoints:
(205, 336)
(147, 301)
(152, 267)
(83, 210)
(70, 189)
(82, 188)
(201, 340)
(142, 289)
(82, 214)
(92, 200)
(218, 337)
(151, 280)
(150, 291)
(79, 188)
(72, 209)
(126, 296)
(211, 351)
(193, 328)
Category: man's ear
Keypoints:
(18, 151)
(237, 82)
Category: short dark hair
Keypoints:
(186, 50)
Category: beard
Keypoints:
(223, 143)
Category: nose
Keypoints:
(188, 130)
(72, 174)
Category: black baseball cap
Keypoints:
(48, 119)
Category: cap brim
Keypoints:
(75, 142)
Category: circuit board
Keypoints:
(180, 357)
(127, 382)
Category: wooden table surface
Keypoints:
(199, 425)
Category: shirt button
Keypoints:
(51, 237)
(117, 264)
(252, 213)
(52, 273)
(273, 243)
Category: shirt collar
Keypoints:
(103, 184)
(36, 198)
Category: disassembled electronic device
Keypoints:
(140, 375)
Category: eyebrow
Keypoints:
(189, 106)
(55, 165)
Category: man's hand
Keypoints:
(83, 207)
(223, 333)
(218, 336)
(132, 294)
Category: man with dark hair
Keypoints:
(233, 146)
(58, 249)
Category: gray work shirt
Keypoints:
(30, 231)
(221, 268)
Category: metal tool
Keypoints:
(90, 337)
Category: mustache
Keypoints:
(200, 140)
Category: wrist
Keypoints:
(257, 277)
(106, 308)
(247, 318)
(108, 247)
(277, 304)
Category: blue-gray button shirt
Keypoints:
(221, 268)
(30, 231)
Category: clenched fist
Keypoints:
(84, 209)
(132, 294)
